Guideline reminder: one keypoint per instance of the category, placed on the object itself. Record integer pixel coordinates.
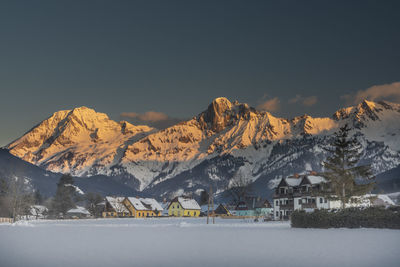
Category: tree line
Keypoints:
(17, 199)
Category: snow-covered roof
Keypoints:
(116, 204)
(152, 203)
(137, 203)
(385, 199)
(293, 181)
(80, 210)
(316, 179)
(188, 203)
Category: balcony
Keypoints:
(309, 206)
(283, 195)
(289, 206)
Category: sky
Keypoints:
(145, 60)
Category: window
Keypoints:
(277, 213)
(321, 200)
(299, 201)
(326, 201)
(277, 203)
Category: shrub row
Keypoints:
(374, 217)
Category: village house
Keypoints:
(115, 208)
(78, 213)
(222, 210)
(184, 207)
(300, 192)
(142, 207)
(253, 207)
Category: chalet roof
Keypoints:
(316, 179)
(293, 181)
(116, 204)
(154, 205)
(137, 204)
(187, 203)
(262, 203)
(221, 209)
(381, 200)
(80, 210)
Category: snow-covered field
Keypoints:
(190, 242)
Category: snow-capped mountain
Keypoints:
(226, 140)
(77, 141)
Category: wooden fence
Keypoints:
(6, 220)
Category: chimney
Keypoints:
(313, 173)
(296, 175)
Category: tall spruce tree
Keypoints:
(203, 198)
(63, 200)
(92, 203)
(346, 178)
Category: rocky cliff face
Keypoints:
(225, 140)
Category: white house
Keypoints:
(300, 192)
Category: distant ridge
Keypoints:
(226, 140)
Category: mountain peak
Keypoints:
(367, 105)
(220, 105)
(221, 113)
(83, 109)
(359, 114)
(87, 113)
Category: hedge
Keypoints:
(374, 217)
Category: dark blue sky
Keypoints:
(176, 56)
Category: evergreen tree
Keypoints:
(239, 188)
(38, 198)
(63, 200)
(346, 178)
(203, 198)
(92, 203)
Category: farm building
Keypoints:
(142, 207)
(115, 208)
(184, 207)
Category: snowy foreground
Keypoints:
(190, 242)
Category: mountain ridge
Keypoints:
(86, 143)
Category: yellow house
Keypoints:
(142, 207)
(183, 207)
(115, 208)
